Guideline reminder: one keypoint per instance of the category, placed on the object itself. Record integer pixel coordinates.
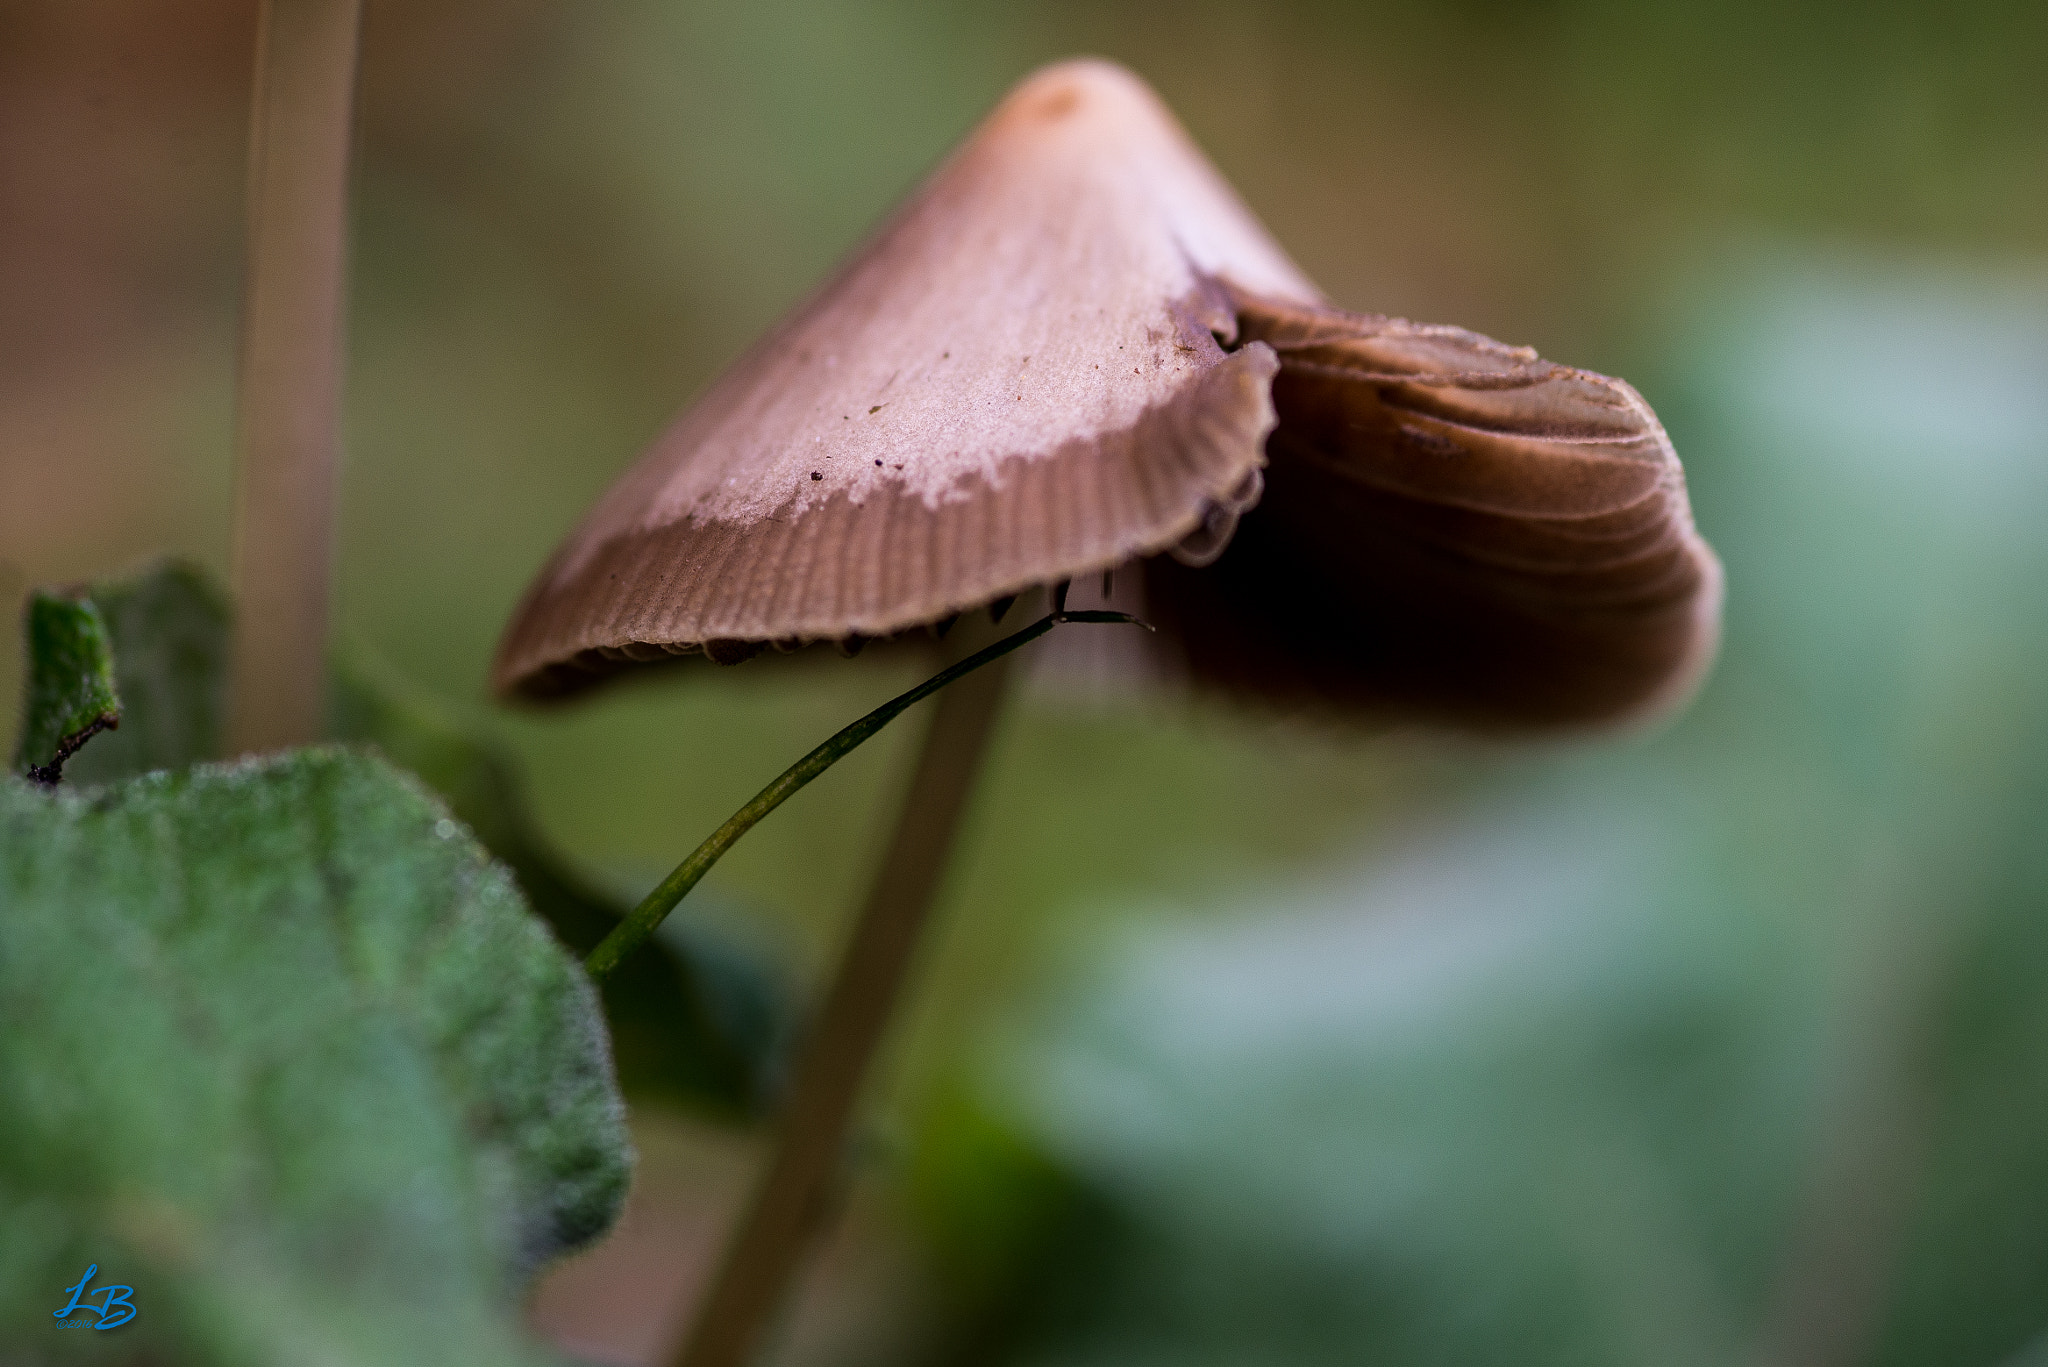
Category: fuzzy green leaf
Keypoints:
(281, 1049)
(169, 629)
(71, 695)
(698, 1020)
(695, 1018)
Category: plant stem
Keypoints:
(289, 386)
(632, 932)
(789, 1200)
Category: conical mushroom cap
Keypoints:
(1018, 379)
(1062, 355)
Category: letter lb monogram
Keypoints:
(115, 1307)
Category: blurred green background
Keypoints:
(1241, 1040)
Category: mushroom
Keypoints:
(1074, 349)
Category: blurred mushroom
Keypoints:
(1453, 530)
(1063, 355)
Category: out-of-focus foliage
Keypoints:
(169, 628)
(71, 696)
(283, 1050)
(1731, 1048)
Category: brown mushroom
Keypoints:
(1059, 357)
(1074, 349)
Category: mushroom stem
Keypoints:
(790, 1199)
(289, 386)
(640, 923)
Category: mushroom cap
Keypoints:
(1452, 530)
(1016, 380)
(1063, 355)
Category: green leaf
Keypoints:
(170, 637)
(699, 1020)
(70, 694)
(696, 1019)
(281, 1049)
